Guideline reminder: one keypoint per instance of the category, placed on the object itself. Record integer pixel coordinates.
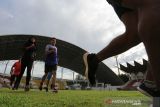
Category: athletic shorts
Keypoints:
(50, 68)
(120, 10)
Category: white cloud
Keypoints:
(5, 15)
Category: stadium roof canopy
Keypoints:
(70, 56)
(136, 68)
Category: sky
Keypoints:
(89, 24)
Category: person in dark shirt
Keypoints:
(27, 62)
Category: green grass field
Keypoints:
(72, 98)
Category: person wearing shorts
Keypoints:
(51, 62)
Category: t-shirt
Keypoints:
(16, 68)
(52, 58)
(30, 53)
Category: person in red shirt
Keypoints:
(15, 71)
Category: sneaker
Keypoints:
(26, 88)
(46, 88)
(54, 90)
(151, 92)
(40, 88)
(91, 64)
(15, 87)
